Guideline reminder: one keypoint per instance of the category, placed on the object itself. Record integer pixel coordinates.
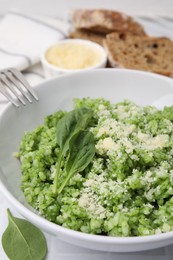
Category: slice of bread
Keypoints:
(105, 21)
(146, 53)
(86, 35)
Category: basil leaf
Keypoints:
(67, 126)
(23, 240)
(81, 153)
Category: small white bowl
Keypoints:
(53, 70)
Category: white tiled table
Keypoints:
(59, 7)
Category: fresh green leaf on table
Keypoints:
(23, 241)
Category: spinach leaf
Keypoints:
(22, 240)
(67, 126)
(81, 153)
(72, 122)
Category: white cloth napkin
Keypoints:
(23, 38)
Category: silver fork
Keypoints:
(15, 87)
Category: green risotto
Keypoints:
(125, 188)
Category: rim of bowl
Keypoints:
(94, 45)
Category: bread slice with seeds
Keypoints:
(154, 54)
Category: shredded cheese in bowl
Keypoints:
(73, 55)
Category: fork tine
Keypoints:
(20, 77)
(10, 76)
(13, 85)
(7, 95)
(7, 83)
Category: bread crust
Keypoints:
(105, 21)
(87, 35)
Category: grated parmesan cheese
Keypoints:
(150, 143)
(73, 56)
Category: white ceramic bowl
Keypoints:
(52, 70)
(114, 85)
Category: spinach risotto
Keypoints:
(102, 168)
